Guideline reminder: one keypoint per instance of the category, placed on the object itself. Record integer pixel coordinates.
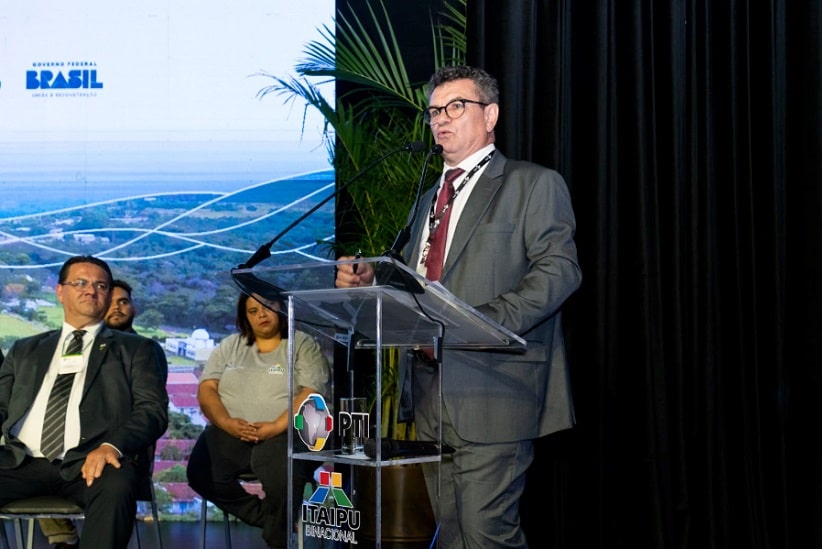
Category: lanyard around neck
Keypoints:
(433, 217)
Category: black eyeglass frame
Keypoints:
(428, 116)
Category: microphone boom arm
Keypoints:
(405, 234)
(264, 251)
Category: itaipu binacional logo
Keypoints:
(314, 422)
(329, 514)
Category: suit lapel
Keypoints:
(99, 349)
(481, 199)
(488, 185)
(42, 360)
(413, 255)
(31, 375)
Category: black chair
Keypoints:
(39, 507)
(245, 477)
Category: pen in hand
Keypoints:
(355, 265)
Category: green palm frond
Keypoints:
(379, 115)
(354, 56)
(378, 64)
(450, 42)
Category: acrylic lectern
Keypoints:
(401, 310)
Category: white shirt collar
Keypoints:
(91, 330)
(472, 160)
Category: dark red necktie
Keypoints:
(437, 239)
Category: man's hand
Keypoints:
(97, 459)
(347, 278)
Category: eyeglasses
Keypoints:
(82, 284)
(454, 109)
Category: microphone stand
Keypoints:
(387, 274)
(405, 234)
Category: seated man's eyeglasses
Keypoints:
(82, 284)
(454, 109)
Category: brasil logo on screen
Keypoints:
(63, 75)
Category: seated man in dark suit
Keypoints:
(62, 533)
(79, 408)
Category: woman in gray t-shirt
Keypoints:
(243, 392)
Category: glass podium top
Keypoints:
(402, 309)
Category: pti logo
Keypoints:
(314, 422)
(328, 513)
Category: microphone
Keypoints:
(264, 251)
(405, 234)
(391, 448)
(414, 146)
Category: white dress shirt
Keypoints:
(31, 425)
(461, 199)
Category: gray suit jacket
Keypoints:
(513, 258)
(124, 399)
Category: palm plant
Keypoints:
(379, 112)
(377, 109)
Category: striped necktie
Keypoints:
(54, 422)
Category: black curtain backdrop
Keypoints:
(690, 133)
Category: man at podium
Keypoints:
(498, 234)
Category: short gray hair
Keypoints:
(486, 84)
